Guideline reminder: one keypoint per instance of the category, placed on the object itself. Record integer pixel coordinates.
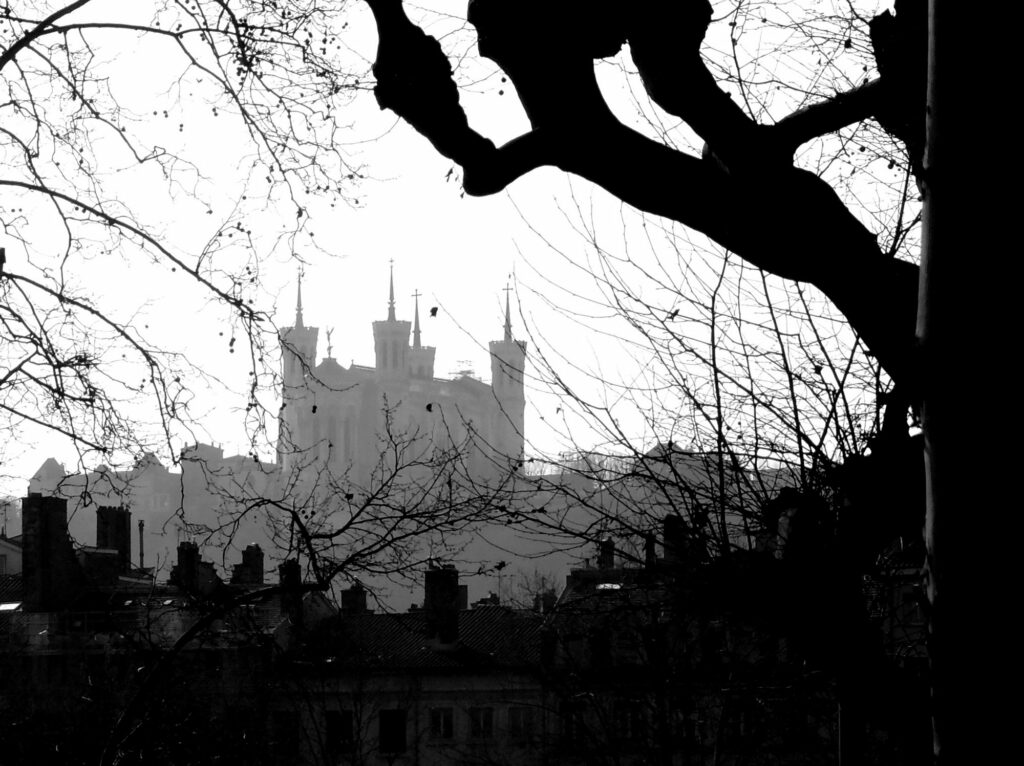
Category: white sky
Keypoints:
(457, 251)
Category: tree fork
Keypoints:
(787, 222)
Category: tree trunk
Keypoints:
(968, 491)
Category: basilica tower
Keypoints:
(508, 360)
(391, 341)
(421, 358)
(298, 358)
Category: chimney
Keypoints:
(49, 570)
(185, 573)
(291, 590)
(606, 554)
(114, 532)
(250, 570)
(650, 550)
(353, 599)
(544, 602)
(441, 604)
(548, 600)
(674, 540)
(142, 545)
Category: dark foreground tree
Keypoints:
(748, 193)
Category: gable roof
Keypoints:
(490, 638)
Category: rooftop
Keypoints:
(490, 638)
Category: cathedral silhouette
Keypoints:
(339, 419)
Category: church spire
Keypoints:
(508, 316)
(391, 293)
(416, 321)
(298, 304)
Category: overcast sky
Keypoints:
(458, 252)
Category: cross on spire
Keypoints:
(330, 347)
(416, 320)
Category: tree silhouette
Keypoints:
(779, 100)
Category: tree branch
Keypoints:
(664, 40)
(40, 29)
(786, 221)
(828, 116)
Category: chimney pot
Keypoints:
(114, 531)
(353, 599)
(291, 590)
(441, 604)
(606, 554)
(650, 550)
(674, 540)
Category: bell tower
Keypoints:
(391, 340)
(508, 360)
(421, 358)
(298, 357)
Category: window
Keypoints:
(339, 732)
(481, 722)
(391, 737)
(520, 722)
(441, 723)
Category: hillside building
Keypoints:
(340, 419)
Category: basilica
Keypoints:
(343, 419)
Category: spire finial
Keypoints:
(391, 293)
(508, 316)
(416, 321)
(330, 346)
(298, 303)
